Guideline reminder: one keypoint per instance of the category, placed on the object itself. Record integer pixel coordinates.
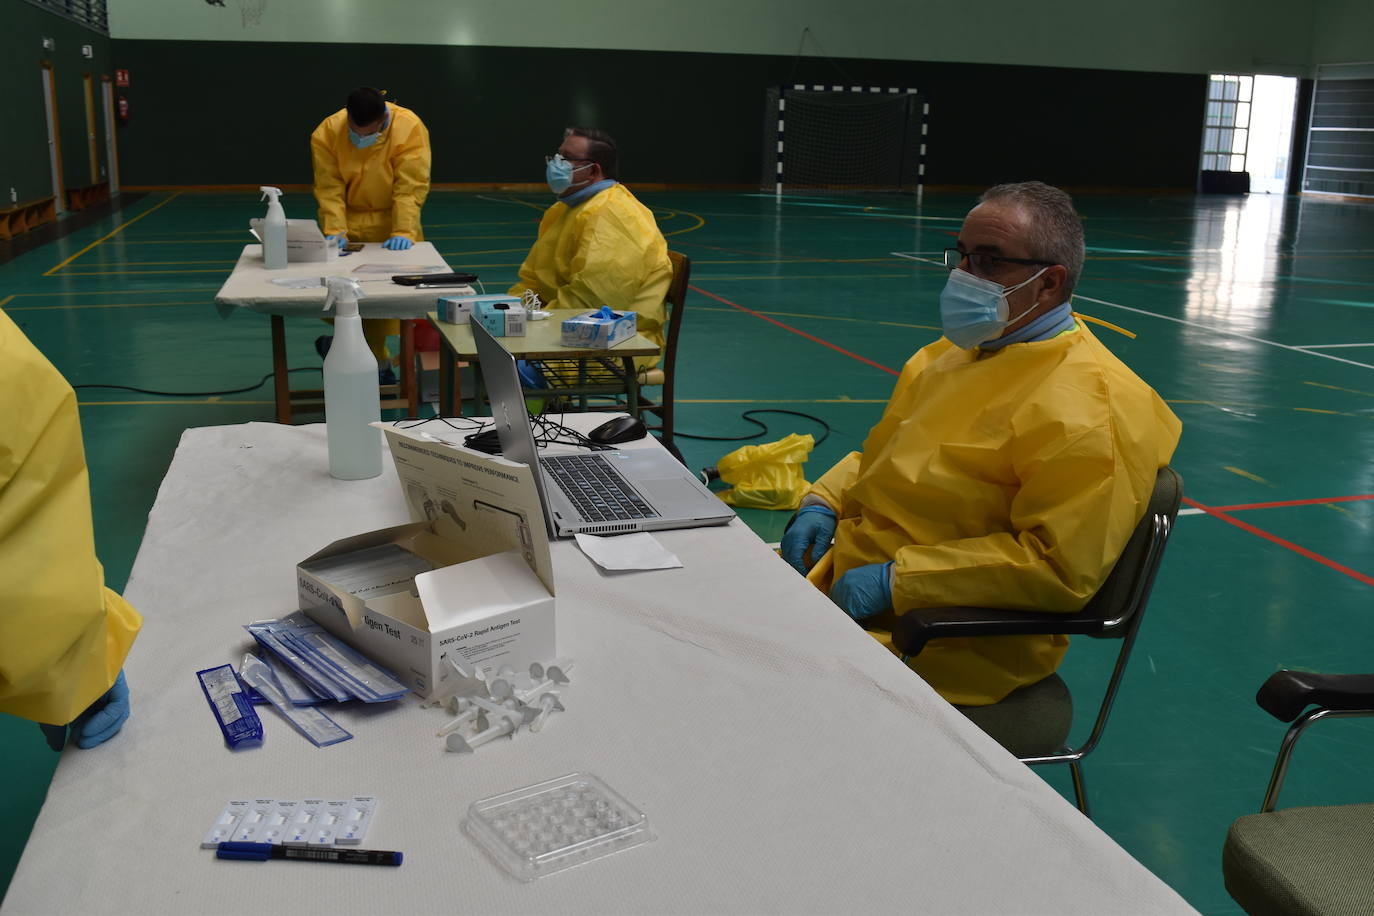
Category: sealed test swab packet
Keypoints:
(308, 720)
(312, 821)
(238, 721)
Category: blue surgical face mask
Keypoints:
(363, 142)
(559, 172)
(973, 310)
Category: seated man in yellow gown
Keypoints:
(597, 244)
(1010, 466)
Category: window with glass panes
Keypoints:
(1226, 128)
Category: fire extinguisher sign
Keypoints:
(121, 77)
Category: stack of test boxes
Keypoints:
(502, 319)
(600, 329)
(469, 577)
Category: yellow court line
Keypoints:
(810, 261)
(176, 403)
(119, 292)
(104, 305)
(135, 273)
(1313, 384)
(484, 251)
(122, 263)
(893, 324)
(500, 222)
(6, 299)
(711, 277)
(1246, 474)
(700, 222)
(469, 238)
(247, 240)
(118, 229)
(1334, 413)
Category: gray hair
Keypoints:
(1056, 229)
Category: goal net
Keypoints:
(844, 138)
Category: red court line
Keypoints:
(788, 327)
(1292, 502)
(1299, 550)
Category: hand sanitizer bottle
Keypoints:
(273, 231)
(351, 397)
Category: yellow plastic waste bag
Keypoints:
(767, 476)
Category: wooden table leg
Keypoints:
(409, 389)
(450, 395)
(281, 382)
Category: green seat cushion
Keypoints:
(1030, 722)
(1302, 861)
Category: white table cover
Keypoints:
(250, 284)
(786, 761)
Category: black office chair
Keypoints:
(1033, 722)
(1313, 861)
(663, 373)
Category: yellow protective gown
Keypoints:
(63, 634)
(607, 250)
(374, 193)
(1007, 479)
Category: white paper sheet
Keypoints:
(627, 551)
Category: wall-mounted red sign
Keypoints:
(121, 77)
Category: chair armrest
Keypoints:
(1287, 693)
(912, 630)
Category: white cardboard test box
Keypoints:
(488, 601)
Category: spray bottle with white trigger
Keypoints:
(351, 397)
(273, 231)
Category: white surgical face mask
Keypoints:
(974, 310)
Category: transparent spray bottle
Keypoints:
(351, 397)
(273, 231)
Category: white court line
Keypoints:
(1194, 324)
(1330, 346)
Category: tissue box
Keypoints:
(458, 309)
(592, 330)
(502, 319)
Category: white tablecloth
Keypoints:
(786, 761)
(250, 285)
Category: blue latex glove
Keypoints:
(864, 590)
(99, 723)
(340, 240)
(397, 243)
(811, 529)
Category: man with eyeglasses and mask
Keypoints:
(1010, 466)
(597, 244)
(372, 163)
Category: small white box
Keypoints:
(596, 330)
(458, 309)
(488, 599)
(305, 242)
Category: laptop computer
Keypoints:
(609, 492)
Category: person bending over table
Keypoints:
(372, 162)
(1010, 466)
(63, 634)
(597, 245)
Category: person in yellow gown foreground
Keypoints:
(372, 163)
(1010, 466)
(63, 634)
(597, 245)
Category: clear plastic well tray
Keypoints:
(550, 826)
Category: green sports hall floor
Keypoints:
(1254, 319)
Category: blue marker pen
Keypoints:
(261, 852)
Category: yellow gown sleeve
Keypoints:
(540, 257)
(63, 635)
(411, 167)
(329, 182)
(832, 484)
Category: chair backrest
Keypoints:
(673, 303)
(1127, 588)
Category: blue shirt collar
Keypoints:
(1051, 324)
(582, 195)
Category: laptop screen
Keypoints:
(502, 380)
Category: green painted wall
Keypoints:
(241, 113)
(24, 152)
(1343, 32)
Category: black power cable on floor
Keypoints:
(709, 474)
(196, 394)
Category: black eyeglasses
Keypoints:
(983, 263)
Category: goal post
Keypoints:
(844, 138)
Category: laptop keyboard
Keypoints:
(599, 493)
